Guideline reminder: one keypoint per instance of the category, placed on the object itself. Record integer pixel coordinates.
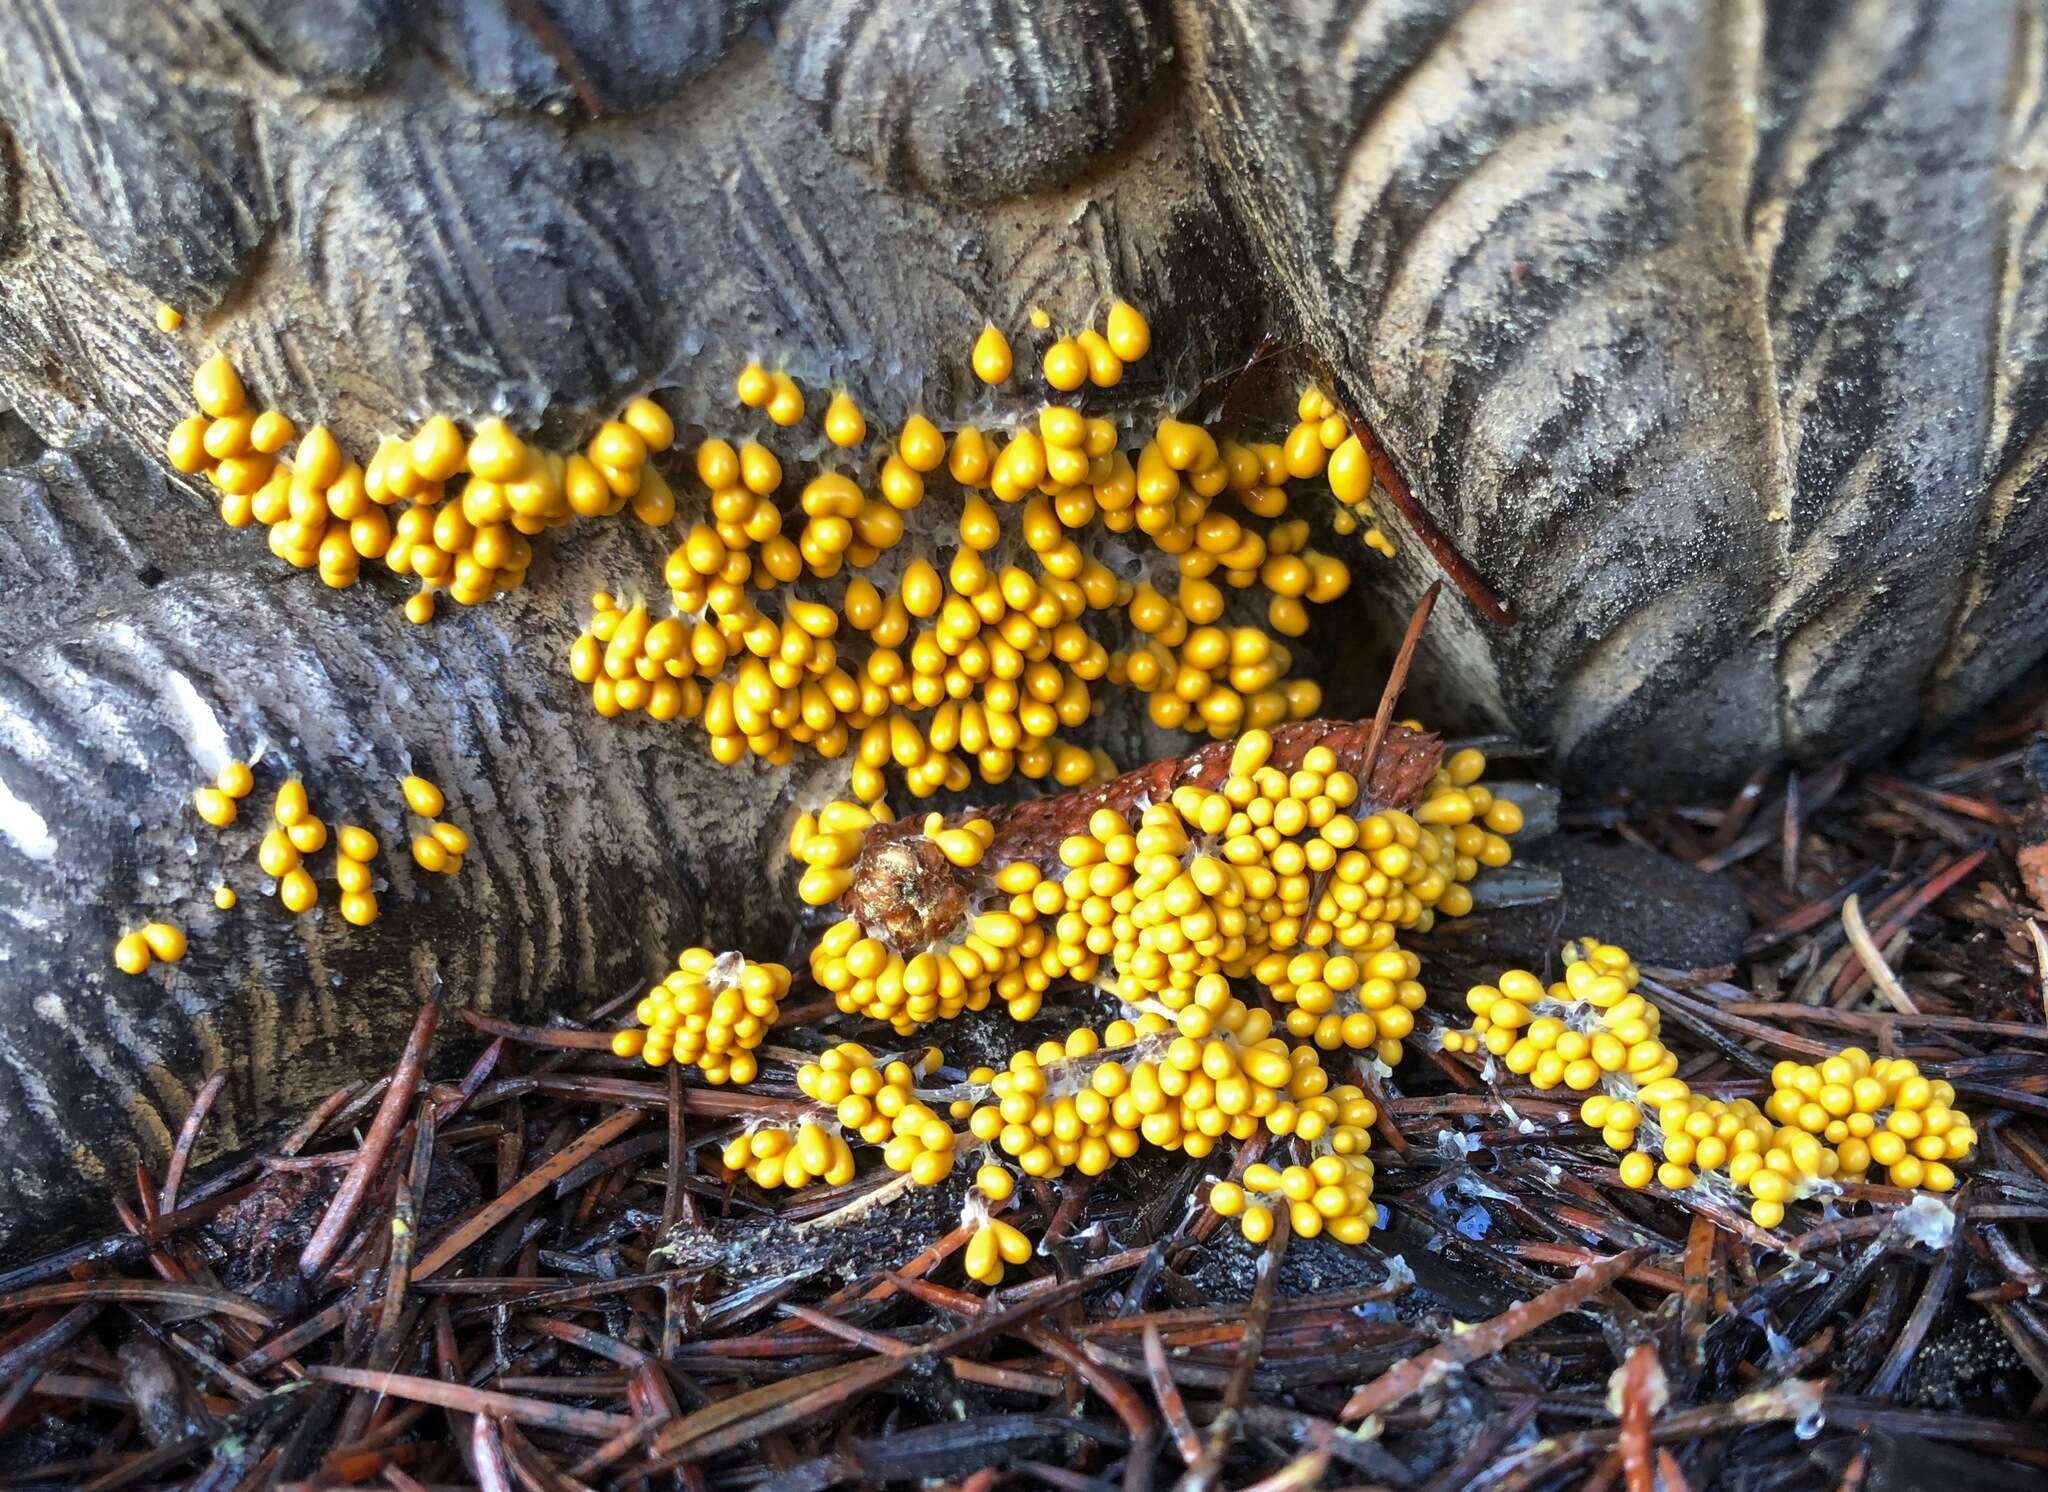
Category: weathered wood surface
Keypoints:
(1713, 332)
(146, 657)
(1714, 335)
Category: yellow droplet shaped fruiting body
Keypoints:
(271, 432)
(1105, 368)
(295, 888)
(437, 452)
(651, 422)
(276, 854)
(991, 358)
(185, 448)
(1350, 473)
(1128, 332)
(971, 460)
(755, 387)
(431, 855)
(617, 446)
(166, 941)
(921, 445)
(495, 453)
(1066, 366)
(786, 402)
(844, 423)
(214, 806)
(217, 388)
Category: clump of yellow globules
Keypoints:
(298, 832)
(773, 1156)
(1083, 1103)
(466, 506)
(1893, 1116)
(1348, 468)
(1267, 876)
(632, 664)
(878, 1101)
(439, 848)
(994, 1244)
(1089, 1101)
(856, 1092)
(997, 955)
(216, 802)
(711, 1012)
(1593, 1032)
(969, 664)
(1192, 1066)
(134, 952)
(354, 848)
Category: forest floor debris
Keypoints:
(536, 1276)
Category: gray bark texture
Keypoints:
(1711, 334)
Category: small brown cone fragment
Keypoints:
(907, 893)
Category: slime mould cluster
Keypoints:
(806, 624)
(1593, 1032)
(1246, 904)
(815, 629)
(466, 506)
(710, 1012)
(1266, 875)
(1173, 888)
(134, 952)
(1275, 865)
